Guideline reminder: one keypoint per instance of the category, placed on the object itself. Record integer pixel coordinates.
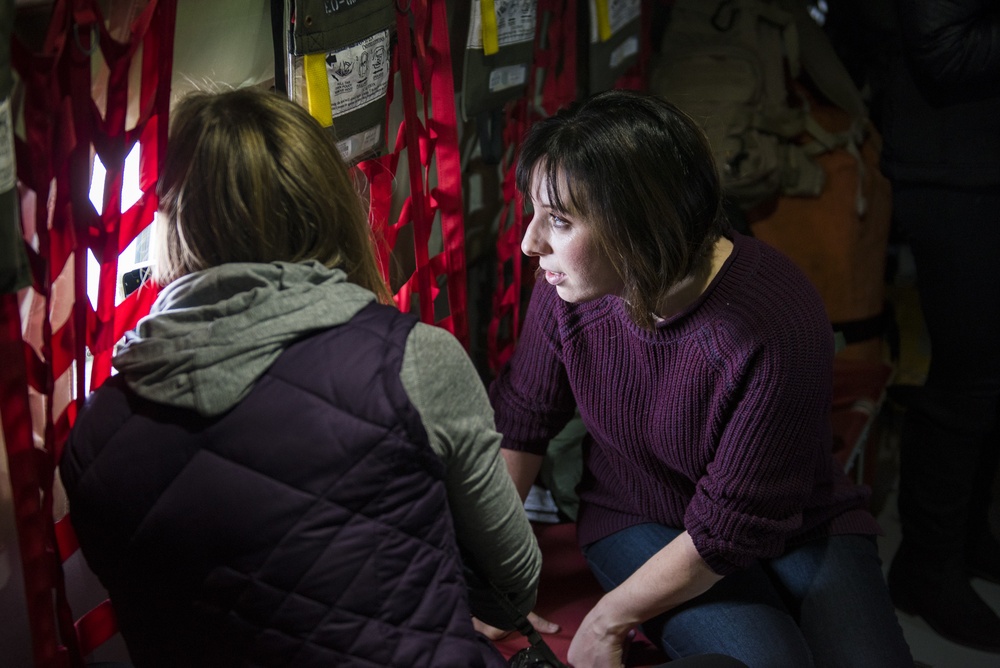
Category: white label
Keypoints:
(620, 12)
(515, 23)
(629, 47)
(359, 144)
(8, 161)
(359, 74)
(503, 78)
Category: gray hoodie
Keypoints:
(211, 334)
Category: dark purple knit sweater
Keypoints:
(717, 422)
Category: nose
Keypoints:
(533, 244)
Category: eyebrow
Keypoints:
(552, 208)
(550, 194)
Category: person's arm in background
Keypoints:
(492, 528)
(954, 44)
(532, 402)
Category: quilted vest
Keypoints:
(309, 526)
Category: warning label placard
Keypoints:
(358, 74)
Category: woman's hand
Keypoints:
(672, 576)
(600, 641)
(541, 625)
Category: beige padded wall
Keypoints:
(222, 42)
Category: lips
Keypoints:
(554, 277)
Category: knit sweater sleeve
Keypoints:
(774, 448)
(531, 394)
(493, 532)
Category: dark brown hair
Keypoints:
(641, 172)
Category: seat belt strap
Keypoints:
(491, 38)
(318, 88)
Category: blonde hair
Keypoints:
(250, 176)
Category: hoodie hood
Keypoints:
(212, 334)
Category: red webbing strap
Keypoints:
(557, 56)
(423, 60)
(42, 159)
(554, 61)
(96, 627)
(112, 231)
(505, 324)
(39, 562)
(109, 235)
(507, 296)
(414, 209)
(66, 537)
(62, 124)
(379, 173)
(446, 196)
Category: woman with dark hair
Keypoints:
(711, 508)
(286, 471)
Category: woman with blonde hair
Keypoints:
(286, 469)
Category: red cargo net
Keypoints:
(555, 66)
(435, 284)
(43, 354)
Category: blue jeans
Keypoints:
(824, 603)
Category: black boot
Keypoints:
(982, 549)
(940, 593)
(982, 558)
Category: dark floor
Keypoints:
(928, 648)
